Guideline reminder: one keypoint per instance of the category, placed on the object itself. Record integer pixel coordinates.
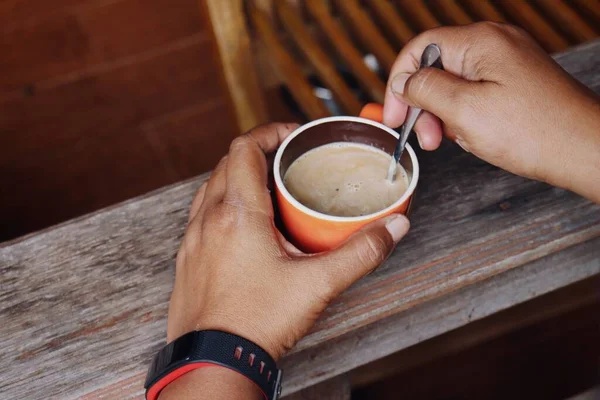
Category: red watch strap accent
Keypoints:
(154, 390)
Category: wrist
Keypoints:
(213, 349)
(579, 168)
(240, 326)
(573, 160)
(212, 382)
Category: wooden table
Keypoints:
(83, 305)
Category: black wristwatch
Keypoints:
(209, 348)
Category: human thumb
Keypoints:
(362, 252)
(431, 89)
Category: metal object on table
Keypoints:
(432, 57)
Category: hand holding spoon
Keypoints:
(432, 57)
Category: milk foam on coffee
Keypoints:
(344, 179)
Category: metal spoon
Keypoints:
(432, 57)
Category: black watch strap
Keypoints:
(199, 348)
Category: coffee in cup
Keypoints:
(344, 179)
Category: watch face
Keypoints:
(173, 353)
(181, 349)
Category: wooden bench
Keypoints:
(267, 43)
(83, 305)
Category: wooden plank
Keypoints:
(365, 31)
(337, 388)
(417, 12)
(526, 16)
(550, 306)
(452, 12)
(553, 359)
(591, 7)
(484, 9)
(64, 45)
(518, 239)
(567, 19)
(228, 23)
(368, 79)
(387, 14)
(320, 60)
(287, 68)
(431, 319)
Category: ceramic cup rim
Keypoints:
(288, 196)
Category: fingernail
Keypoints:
(419, 140)
(398, 83)
(462, 145)
(397, 226)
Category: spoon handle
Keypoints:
(432, 57)
(412, 115)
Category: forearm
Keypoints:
(214, 383)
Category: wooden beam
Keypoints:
(552, 305)
(231, 34)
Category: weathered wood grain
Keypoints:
(550, 360)
(83, 305)
(429, 319)
(533, 313)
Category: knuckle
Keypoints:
(222, 215)
(515, 31)
(239, 143)
(489, 26)
(491, 29)
(420, 84)
(374, 250)
(500, 33)
(263, 126)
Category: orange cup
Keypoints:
(313, 231)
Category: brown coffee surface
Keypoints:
(344, 179)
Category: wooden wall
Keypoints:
(102, 100)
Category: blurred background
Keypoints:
(104, 100)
